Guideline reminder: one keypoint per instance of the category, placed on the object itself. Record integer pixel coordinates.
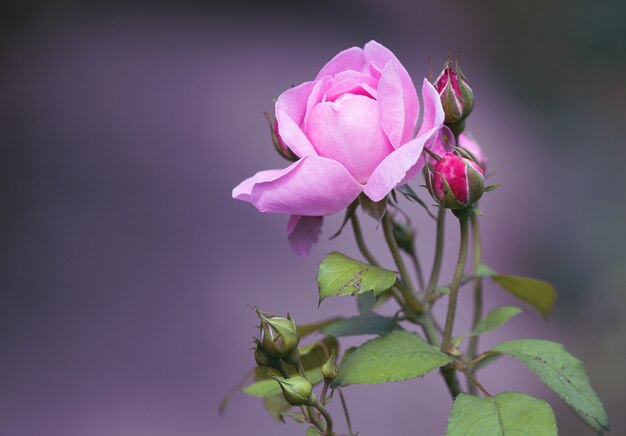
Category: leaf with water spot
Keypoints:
(506, 414)
(339, 275)
(561, 372)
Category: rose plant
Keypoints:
(353, 138)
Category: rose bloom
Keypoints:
(352, 129)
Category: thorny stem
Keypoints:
(478, 296)
(434, 275)
(344, 405)
(454, 289)
(327, 417)
(360, 241)
(407, 288)
(473, 379)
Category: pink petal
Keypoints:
(290, 110)
(303, 232)
(378, 55)
(312, 186)
(433, 110)
(351, 82)
(348, 130)
(397, 168)
(244, 189)
(399, 105)
(349, 59)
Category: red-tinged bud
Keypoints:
(279, 144)
(456, 95)
(468, 143)
(456, 182)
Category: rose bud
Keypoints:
(404, 236)
(457, 98)
(456, 182)
(279, 336)
(329, 368)
(468, 143)
(298, 391)
(261, 357)
(277, 140)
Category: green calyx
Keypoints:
(298, 391)
(279, 336)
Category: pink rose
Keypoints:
(352, 129)
(457, 182)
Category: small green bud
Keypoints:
(279, 336)
(278, 142)
(298, 391)
(329, 368)
(404, 236)
(261, 357)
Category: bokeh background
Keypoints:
(126, 270)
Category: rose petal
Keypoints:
(349, 59)
(378, 55)
(397, 168)
(290, 110)
(351, 82)
(348, 130)
(399, 105)
(244, 189)
(312, 186)
(303, 232)
(433, 110)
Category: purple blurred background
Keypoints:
(126, 269)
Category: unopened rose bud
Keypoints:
(456, 182)
(278, 142)
(261, 357)
(329, 368)
(404, 236)
(468, 143)
(457, 98)
(298, 391)
(279, 336)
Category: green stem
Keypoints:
(418, 270)
(478, 297)
(360, 241)
(344, 405)
(434, 274)
(407, 288)
(324, 392)
(454, 289)
(327, 417)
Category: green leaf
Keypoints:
(340, 275)
(494, 319)
(312, 431)
(366, 302)
(276, 405)
(561, 372)
(483, 270)
(506, 414)
(267, 387)
(307, 329)
(397, 356)
(538, 293)
(362, 325)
